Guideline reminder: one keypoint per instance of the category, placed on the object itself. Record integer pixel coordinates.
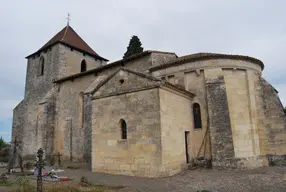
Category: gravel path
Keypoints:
(263, 179)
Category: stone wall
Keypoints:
(69, 130)
(207, 64)
(19, 121)
(140, 153)
(219, 119)
(37, 86)
(69, 135)
(59, 61)
(176, 119)
(195, 82)
(236, 86)
(273, 132)
(71, 59)
(36, 89)
(241, 94)
(239, 111)
(159, 58)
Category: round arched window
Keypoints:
(83, 66)
(197, 116)
(123, 129)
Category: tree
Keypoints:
(134, 47)
(2, 143)
(285, 110)
(4, 151)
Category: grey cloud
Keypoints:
(255, 28)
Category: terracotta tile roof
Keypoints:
(69, 37)
(205, 56)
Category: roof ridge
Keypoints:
(104, 81)
(123, 69)
(70, 38)
(141, 74)
(65, 33)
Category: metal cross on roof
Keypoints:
(68, 19)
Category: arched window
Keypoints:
(83, 66)
(41, 66)
(123, 129)
(197, 116)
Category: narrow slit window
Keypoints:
(83, 66)
(123, 129)
(81, 110)
(197, 116)
(41, 66)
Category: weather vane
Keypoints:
(68, 19)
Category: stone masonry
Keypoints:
(75, 102)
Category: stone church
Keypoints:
(150, 114)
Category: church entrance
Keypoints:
(186, 144)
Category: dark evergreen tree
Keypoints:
(134, 47)
(2, 143)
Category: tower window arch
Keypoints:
(41, 66)
(123, 129)
(83, 66)
(197, 116)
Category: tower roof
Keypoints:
(69, 37)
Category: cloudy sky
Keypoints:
(249, 27)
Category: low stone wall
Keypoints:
(250, 162)
(279, 160)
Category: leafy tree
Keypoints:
(133, 47)
(285, 110)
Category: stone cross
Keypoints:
(68, 19)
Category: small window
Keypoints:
(41, 66)
(123, 129)
(83, 66)
(197, 116)
(121, 81)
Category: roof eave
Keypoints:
(110, 65)
(182, 60)
(178, 89)
(85, 52)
